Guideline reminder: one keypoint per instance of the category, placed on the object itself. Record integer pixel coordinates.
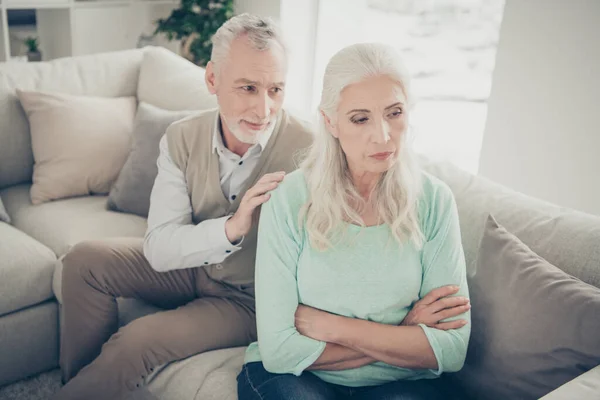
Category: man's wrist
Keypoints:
(231, 231)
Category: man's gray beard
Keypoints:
(254, 139)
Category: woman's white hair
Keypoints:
(333, 198)
(261, 31)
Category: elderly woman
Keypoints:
(352, 248)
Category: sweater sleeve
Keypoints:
(444, 264)
(282, 348)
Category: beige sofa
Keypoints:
(31, 248)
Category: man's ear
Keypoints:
(210, 78)
(329, 125)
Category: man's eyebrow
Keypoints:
(246, 81)
(250, 82)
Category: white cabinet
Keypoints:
(101, 29)
(74, 27)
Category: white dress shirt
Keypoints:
(172, 241)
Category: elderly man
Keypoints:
(196, 261)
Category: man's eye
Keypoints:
(277, 89)
(249, 88)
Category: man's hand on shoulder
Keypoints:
(240, 223)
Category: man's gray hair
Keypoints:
(261, 31)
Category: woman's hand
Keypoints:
(316, 324)
(437, 306)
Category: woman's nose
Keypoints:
(381, 133)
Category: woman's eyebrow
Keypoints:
(358, 110)
(394, 105)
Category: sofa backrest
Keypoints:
(567, 239)
(109, 75)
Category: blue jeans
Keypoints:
(256, 383)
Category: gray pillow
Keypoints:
(534, 327)
(131, 191)
(3, 214)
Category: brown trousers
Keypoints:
(99, 362)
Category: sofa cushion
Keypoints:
(207, 376)
(173, 83)
(64, 223)
(3, 214)
(107, 75)
(586, 386)
(131, 191)
(567, 239)
(28, 346)
(534, 326)
(79, 143)
(26, 269)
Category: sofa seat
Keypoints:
(26, 270)
(63, 223)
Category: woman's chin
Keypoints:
(380, 167)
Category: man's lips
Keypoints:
(255, 126)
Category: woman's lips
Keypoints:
(381, 156)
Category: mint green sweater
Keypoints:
(368, 276)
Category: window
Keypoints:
(449, 47)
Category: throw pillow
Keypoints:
(534, 326)
(3, 214)
(171, 82)
(131, 192)
(79, 143)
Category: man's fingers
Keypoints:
(448, 302)
(452, 312)
(459, 323)
(260, 188)
(258, 200)
(272, 177)
(438, 293)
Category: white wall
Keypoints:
(542, 135)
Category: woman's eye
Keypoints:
(359, 120)
(395, 114)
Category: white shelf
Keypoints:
(102, 4)
(30, 6)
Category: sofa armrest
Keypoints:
(585, 386)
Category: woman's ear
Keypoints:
(331, 128)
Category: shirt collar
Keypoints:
(219, 146)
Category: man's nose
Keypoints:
(262, 106)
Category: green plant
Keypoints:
(194, 23)
(32, 44)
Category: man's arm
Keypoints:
(172, 241)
